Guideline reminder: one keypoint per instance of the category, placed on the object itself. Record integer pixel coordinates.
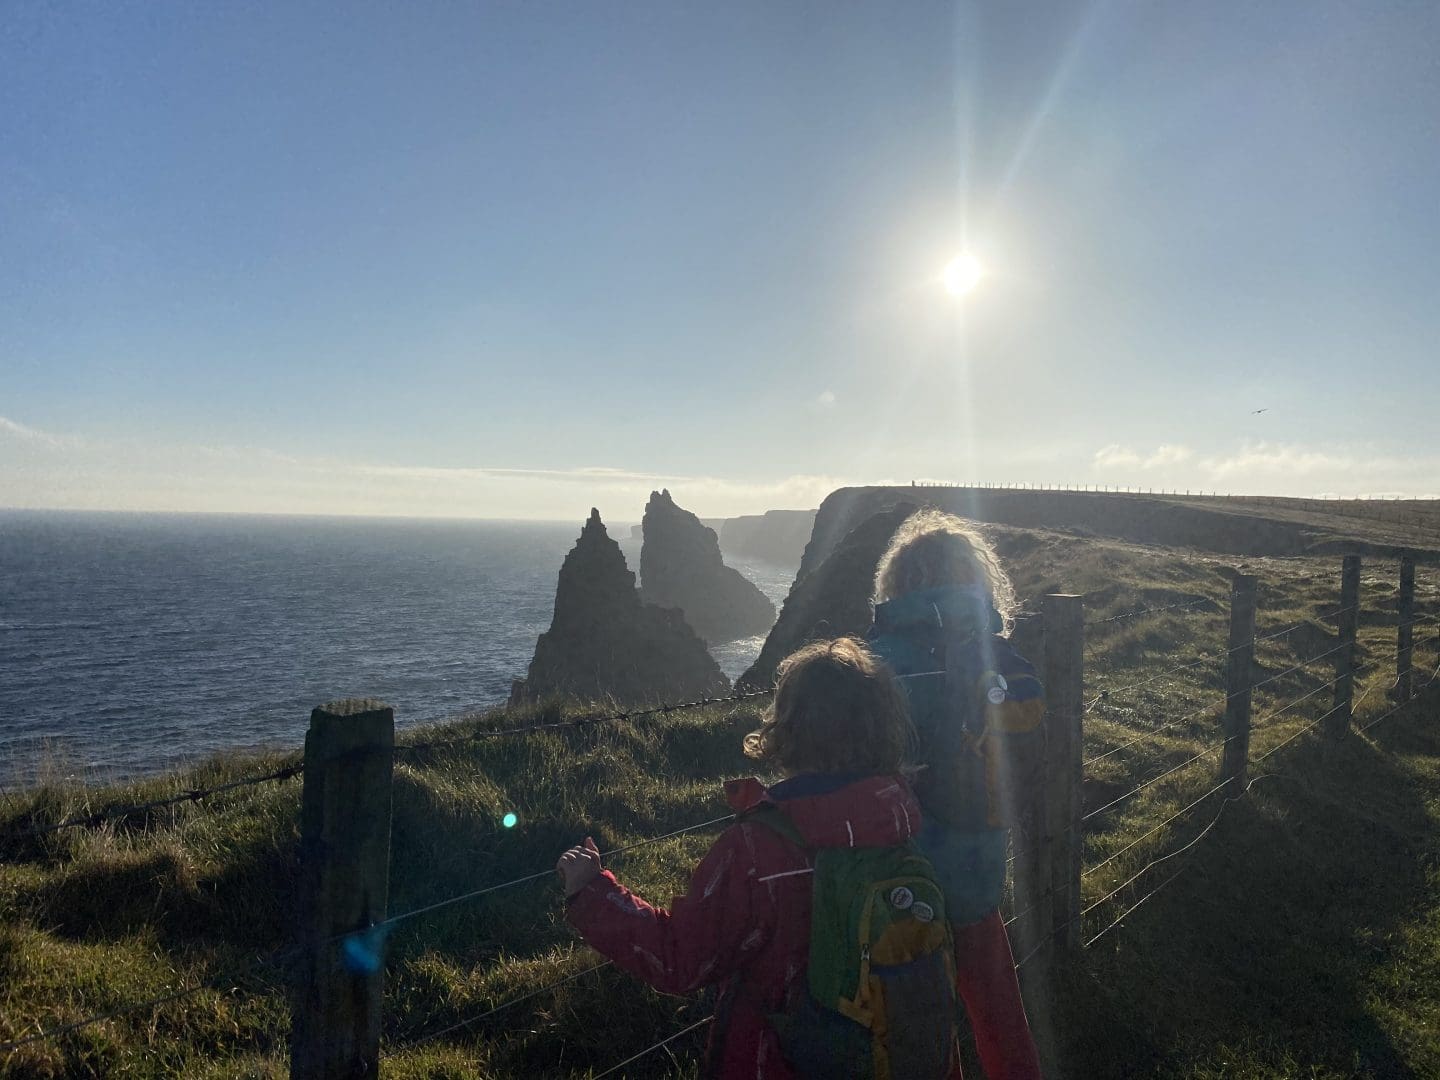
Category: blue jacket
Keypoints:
(912, 633)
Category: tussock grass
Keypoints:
(1302, 939)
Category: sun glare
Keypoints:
(962, 275)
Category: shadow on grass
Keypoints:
(1261, 959)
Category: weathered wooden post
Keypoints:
(1239, 675)
(1338, 723)
(1405, 643)
(344, 889)
(1064, 696)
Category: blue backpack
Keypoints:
(976, 703)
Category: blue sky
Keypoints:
(512, 260)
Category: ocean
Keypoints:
(130, 643)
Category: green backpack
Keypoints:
(880, 1002)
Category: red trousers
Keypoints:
(985, 978)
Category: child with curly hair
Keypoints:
(942, 602)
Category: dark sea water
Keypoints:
(132, 642)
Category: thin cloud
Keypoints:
(1379, 471)
(1166, 456)
(23, 432)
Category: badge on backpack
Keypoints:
(996, 694)
(901, 897)
(922, 911)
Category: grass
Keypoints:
(1301, 938)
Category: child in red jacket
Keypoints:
(839, 731)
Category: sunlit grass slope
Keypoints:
(1303, 936)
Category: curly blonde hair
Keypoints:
(933, 548)
(838, 709)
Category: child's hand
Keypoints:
(578, 867)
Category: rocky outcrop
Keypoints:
(832, 599)
(776, 536)
(681, 566)
(604, 644)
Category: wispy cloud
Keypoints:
(1274, 458)
(13, 429)
(1116, 456)
(1355, 470)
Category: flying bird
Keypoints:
(1257, 412)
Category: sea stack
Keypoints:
(833, 599)
(681, 567)
(605, 645)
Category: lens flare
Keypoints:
(510, 821)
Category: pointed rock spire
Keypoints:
(681, 566)
(603, 644)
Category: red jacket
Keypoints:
(744, 924)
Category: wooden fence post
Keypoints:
(1405, 643)
(1239, 675)
(1338, 724)
(1064, 697)
(344, 887)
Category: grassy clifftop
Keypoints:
(1303, 937)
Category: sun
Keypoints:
(962, 275)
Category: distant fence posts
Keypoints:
(1064, 616)
(344, 889)
(1405, 640)
(1349, 620)
(1239, 675)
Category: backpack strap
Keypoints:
(776, 820)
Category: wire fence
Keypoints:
(125, 812)
(373, 936)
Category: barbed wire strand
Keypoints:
(1216, 705)
(1149, 611)
(651, 1049)
(476, 893)
(1106, 694)
(1151, 733)
(1212, 748)
(1400, 704)
(1131, 909)
(191, 795)
(1301, 731)
(410, 1044)
(1190, 845)
(1135, 843)
(584, 721)
(1297, 667)
(1359, 669)
(195, 795)
(1355, 705)
(1156, 779)
(1044, 941)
